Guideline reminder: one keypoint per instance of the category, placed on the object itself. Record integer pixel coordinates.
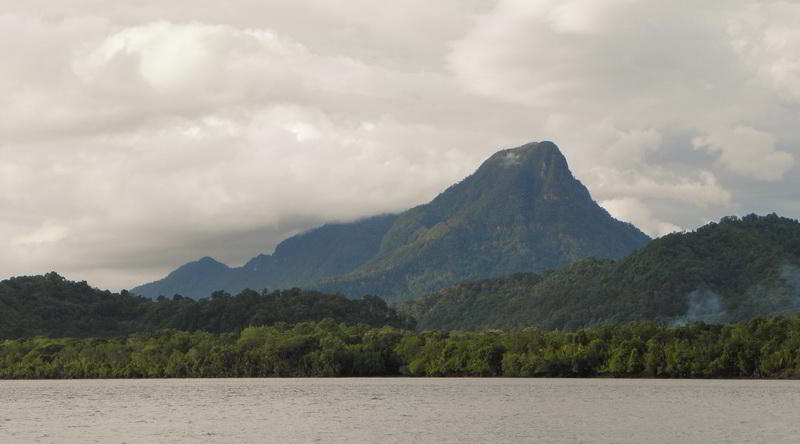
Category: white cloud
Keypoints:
(747, 151)
(615, 164)
(600, 56)
(636, 212)
(766, 38)
(137, 136)
(630, 88)
(47, 233)
(579, 16)
(190, 183)
(700, 191)
(198, 62)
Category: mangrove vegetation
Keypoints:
(759, 348)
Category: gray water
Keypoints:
(399, 410)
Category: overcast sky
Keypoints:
(137, 136)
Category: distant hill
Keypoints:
(729, 271)
(52, 306)
(521, 211)
(299, 261)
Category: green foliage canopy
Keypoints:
(760, 348)
(52, 306)
(729, 271)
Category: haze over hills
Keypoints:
(299, 261)
(521, 211)
(729, 271)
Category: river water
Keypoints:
(375, 410)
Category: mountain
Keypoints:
(729, 271)
(521, 211)
(299, 261)
(52, 306)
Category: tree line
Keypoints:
(759, 348)
(52, 306)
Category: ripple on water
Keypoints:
(398, 410)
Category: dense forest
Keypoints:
(52, 306)
(760, 348)
(729, 271)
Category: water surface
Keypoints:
(446, 410)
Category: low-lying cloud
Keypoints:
(703, 306)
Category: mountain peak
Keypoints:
(544, 146)
(544, 156)
(521, 210)
(514, 183)
(204, 265)
(208, 260)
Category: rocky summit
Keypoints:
(521, 211)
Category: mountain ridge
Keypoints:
(521, 210)
(197, 279)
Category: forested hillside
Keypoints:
(729, 271)
(299, 261)
(52, 306)
(522, 210)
